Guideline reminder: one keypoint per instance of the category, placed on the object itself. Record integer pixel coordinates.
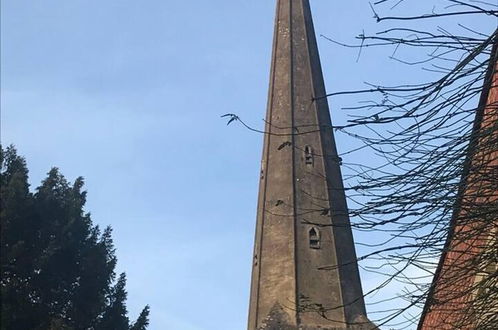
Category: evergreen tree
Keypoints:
(114, 317)
(57, 269)
(142, 321)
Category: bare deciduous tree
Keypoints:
(430, 197)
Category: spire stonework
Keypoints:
(305, 274)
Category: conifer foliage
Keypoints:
(57, 268)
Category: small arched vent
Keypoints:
(314, 236)
(308, 155)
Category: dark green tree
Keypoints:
(114, 317)
(143, 320)
(57, 268)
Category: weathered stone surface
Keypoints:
(278, 319)
(305, 274)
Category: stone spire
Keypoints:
(305, 274)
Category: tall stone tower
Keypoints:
(305, 274)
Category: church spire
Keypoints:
(305, 274)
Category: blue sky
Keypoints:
(128, 94)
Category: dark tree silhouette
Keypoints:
(57, 269)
